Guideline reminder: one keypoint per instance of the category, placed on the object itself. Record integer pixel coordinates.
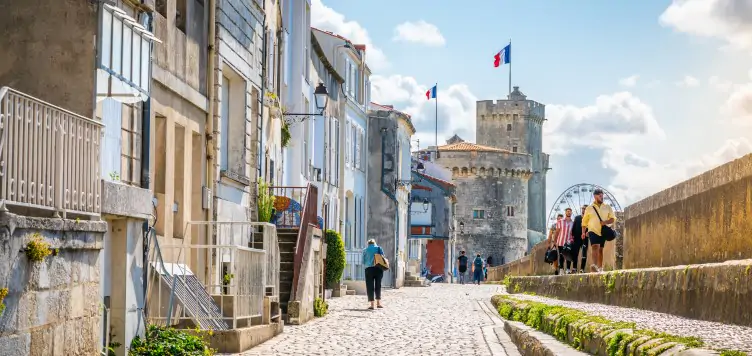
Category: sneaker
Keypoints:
(561, 271)
(582, 271)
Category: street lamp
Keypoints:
(321, 96)
(425, 205)
(462, 227)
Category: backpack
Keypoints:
(478, 262)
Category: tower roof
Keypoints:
(516, 94)
(467, 146)
(454, 139)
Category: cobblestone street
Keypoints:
(444, 319)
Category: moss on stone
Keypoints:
(620, 336)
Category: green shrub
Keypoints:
(335, 257)
(37, 249)
(265, 201)
(161, 340)
(3, 294)
(285, 135)
(320, 308)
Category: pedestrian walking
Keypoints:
(563, 234)
(461, 267)
(598, 216)
(552, 244)
(373, 257)
(582, 242)
(477, 269)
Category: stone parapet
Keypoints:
(684, 223)
(126, 200)
(534, 265)
(713, 292)
(52, 307)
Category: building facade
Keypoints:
(431, 221)
(350, 59)
(389, 186)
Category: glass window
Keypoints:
(479, 214)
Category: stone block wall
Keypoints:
(493, 182)
(533, 264)
(702, 220)
(53, 306)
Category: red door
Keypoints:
(435, 256)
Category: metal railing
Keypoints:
(307, 218)
(291, 199)
(354, 269)
(224, 291)
(270, 244)
(49, 156)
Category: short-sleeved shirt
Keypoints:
(462, 260)
(564, 228)
(591, 221)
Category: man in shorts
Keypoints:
(596, 216)
(461, 267)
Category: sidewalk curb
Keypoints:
(532, 342)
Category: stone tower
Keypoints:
(516, 125)
(492, 193)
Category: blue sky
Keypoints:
(640, 95)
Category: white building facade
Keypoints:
(350, 59)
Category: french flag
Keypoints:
(504, 56)
(431, 93)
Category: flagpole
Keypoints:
(510, 66)
(436, 100)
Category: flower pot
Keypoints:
(275, 111)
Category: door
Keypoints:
(435, 256)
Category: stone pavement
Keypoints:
(443, 319)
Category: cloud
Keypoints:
(325, 18)
(688, 82)
(419, 32)
(727, 20)
(637, 177)
(720, 84)
(456, 107)
(611, 121)
(629, 81)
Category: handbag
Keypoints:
(551, 255)
(570, 250)
(380, 261)
(606, 231)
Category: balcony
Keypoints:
(49, 157)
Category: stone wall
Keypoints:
(48, 50)
(534, 265)
(702, 220)
(714, 292)
(53, 306)
(488, 181)
(300, 308)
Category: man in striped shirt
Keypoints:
(563, 235)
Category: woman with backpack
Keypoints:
(477, 269)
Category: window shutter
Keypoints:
(357, 149)
(347, 140)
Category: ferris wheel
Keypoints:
(578, 195)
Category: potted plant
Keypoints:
(271, 100)
(265, 201)
(285, 134)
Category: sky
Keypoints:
(639, 95)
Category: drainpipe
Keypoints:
(145, 174)
(262, 158)
(209, 129)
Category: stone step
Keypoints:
(350, 292)
(418, 283)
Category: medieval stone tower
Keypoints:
(516, 124)
(501, 180)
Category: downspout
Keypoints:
(262, 152)
(209, 129)
(145, 172)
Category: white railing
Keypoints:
(354, 269)
(233, 277)
(271, 246)
(49, 156)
